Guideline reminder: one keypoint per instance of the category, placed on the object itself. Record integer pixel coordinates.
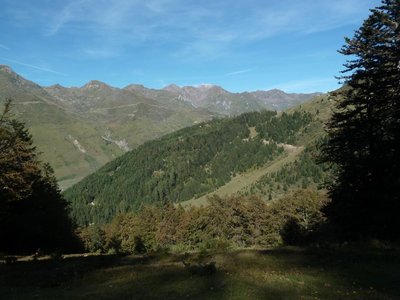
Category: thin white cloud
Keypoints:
(4, 47)
(32, 66)
(206, 29)
(240, 72)
(307, 16)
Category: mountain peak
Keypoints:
(206, 86)
(17, 79)
(7, 69)
(134, 87)
(211, 88)
(56, 86)
(172, 88)
(273, 92)
(96, 84)
(276, 91)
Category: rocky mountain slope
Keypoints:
(216, 99)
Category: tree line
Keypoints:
(230, 222)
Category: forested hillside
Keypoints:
(303, 172)
(186, 164)
(297, 167)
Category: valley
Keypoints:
(181, 150)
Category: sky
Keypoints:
(241, 45)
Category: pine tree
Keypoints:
(33, 214)
(364, 141)
(18, 162)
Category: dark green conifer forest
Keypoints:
(304, 172)
(185, 164)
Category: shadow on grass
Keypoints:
(48, 273)
(353, 268)
(113, 277)
(290, 273)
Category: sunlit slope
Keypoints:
(295, 168)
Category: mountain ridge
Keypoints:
(79, 129)
(197, 96)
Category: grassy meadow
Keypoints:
(285, 273)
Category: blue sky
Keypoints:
(242, 45)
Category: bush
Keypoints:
(301, 216)
(93, 238)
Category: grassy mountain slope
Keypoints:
(55, 129)
(241, 182)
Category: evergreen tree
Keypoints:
(364, 132)
(18, 162)
(33, 214)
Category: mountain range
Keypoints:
(79, 129)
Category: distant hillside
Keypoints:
(187, 164)
(216, 99)
(80, 129)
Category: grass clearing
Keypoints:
(246, 179)
(287, 273)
